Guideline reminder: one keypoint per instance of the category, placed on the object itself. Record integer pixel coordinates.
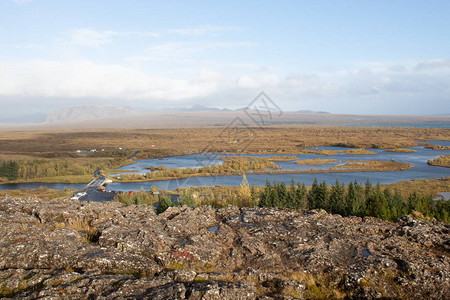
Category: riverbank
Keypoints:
(442, 161)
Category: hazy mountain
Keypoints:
(88, 112)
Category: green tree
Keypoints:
(254, 196)
(282, 195)
(265, 196)
(187, 198)
(443, 210)
(9, 170)
(323, 196)
(368, 188)
(337, 203)
(301, 193)
(164, 203)
(377, 205)
(398, 206)
(313, 195)
(274, 200)
(290, 201)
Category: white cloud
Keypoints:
(80, 79)
(335, 91)
(247, 82)
(433, 64)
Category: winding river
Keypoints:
(418, 159)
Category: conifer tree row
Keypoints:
(9, 169)
(352, 200)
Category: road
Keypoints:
(92, 192)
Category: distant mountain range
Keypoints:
(92, 112)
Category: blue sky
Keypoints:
(364, 57)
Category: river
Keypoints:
(418, 159)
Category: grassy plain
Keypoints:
(42, 193)
(315, 161)
(239, 139)
(422, 186)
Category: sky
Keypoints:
(357, 57)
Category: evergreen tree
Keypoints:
(351, 200)
(443, 210)
(253, 196)
(291, 201)
(388, 195)
(186, 198)
(282, 195)
(337, 203)
(313, 195)
(322, 198)
(359, 206)
(264, 198)
(413, 202)
(301, 201)
(398, 206)
(377, 205)
(9, 170)
(274, 199)
(368, 188)
(430, 205)
(164, 203)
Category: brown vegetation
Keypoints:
(315, 161)
(177, 141)
(52, 147)
(372, 165)
(400, 150)
(42, 192)
(359, 151)
(441, 161)
(272, 158)
(422, 186)
(437, 147)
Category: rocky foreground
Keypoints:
(66, 249)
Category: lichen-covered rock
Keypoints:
(68, 249)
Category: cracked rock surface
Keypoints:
(63, 249)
